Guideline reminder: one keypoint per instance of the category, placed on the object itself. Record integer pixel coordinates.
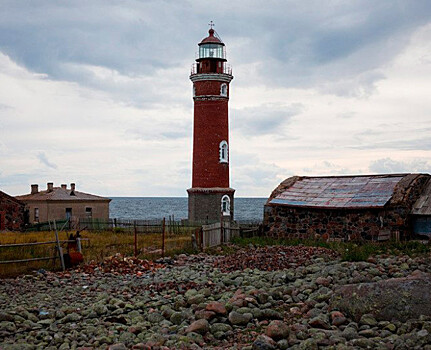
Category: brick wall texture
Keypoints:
(11, 213)
(211, 126)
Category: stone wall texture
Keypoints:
(205, 204)
(367, 223)
(12, 213)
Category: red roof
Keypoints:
(61, 194)
(211, 38)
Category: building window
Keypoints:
(36, 214)
(89, 212)
(223, 152)
(68, 213)
(223, 89)
(225, 205)
(194, 91)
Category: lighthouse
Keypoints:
(210, 197)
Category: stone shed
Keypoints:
(12, 213)
(421, 213)
(375, 207)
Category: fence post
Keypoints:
(221, 229)
(163, 237)
(60, 251)
(78, 245)
(136, 238)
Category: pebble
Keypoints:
(200, 301)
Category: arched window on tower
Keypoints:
(223, 90)
(194, 91)
(225, 205)
(223, 152)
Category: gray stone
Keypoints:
(155, 317)
(368, 320)
(220, 327)
(200, 326)
(73, 317)
(118, 346)
(100, 309)
(264, 342)
(398, 298)
(349, 333)
(239, 319)
(177, 318)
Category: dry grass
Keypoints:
(98, 246)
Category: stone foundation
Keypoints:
(205, 203)
(284, 221)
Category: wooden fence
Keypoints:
(218, 233)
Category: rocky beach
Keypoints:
(254, 298)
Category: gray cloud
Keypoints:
(264, 119)
(388, 165)
(422, 144)
(327, 168)
(4, 107)
(44, 160)
(303, 44)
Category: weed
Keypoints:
(96, 246)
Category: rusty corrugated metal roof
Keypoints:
(423, 205)
(371, 191)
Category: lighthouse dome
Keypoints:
(211, 38)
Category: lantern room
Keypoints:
(211, 47)
(211, 57)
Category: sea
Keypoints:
(150, 208)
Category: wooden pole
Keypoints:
(60, 251)
(78, 244)
(136, 239)
(163, 237)
(221, 228)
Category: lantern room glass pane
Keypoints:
(211, 51)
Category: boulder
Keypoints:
(277, 330)
(264, 342)
(216, 307)
(239, 319)
(200, 326)
(397, 298)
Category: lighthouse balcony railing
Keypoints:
(224, 69)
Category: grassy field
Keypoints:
(95, 246)
(349, 251)
(99, 245)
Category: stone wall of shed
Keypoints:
(12, 214)
(286, 222)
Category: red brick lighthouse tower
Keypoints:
(211, 197)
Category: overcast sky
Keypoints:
(98, 92)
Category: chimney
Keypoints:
(34, 188)
(63, 186)
(50, 186)
(72, 189)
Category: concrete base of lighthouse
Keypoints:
(205, 203)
